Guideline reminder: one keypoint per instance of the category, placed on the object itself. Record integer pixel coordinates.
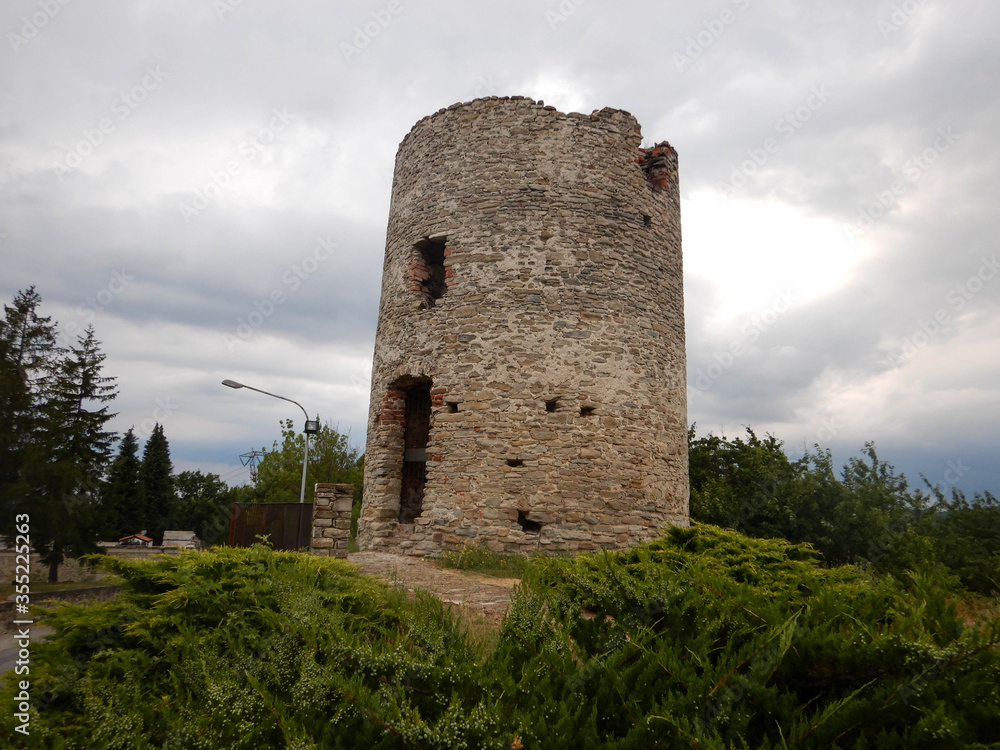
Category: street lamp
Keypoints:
(311, 428)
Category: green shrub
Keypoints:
(251, 648)
(709, 639)
(703, 638)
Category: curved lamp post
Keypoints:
(311, 428)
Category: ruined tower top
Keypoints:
(528, 384)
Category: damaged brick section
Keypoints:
(659, 164)
(392, 410)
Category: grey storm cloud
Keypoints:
(207, 183)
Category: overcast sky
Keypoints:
(207, 183)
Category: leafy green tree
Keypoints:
(966, 534)
(203, 505)
(123, 501)
(739, 483)
(157, 484)
(332, 459)
(876, 518)
(867, 515)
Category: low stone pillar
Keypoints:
(331, 523)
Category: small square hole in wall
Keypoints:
(452, 407)
(525, 523)
(586, 411)
(647, 220)
(515, 462)
(551, 405)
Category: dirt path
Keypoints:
(482, 595)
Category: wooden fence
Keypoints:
(286, 525)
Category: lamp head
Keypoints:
(232, 384)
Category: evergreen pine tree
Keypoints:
(31, 342)
(15, 401)
(123, 506)
(75, 449)
(28, 359)
(157, 483)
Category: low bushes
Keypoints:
(701, 639)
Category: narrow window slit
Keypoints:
(429, 271)
(416, 431)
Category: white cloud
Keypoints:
(780, 234)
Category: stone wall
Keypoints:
(532, 302)
(331, 526)
(70, 570)
(73, 569)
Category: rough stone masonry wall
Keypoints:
(331, 525)
(555, 354)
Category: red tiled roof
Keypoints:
(136, 536)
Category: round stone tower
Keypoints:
(528, 386)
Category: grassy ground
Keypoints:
(480, 559)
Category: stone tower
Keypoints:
(528, 387)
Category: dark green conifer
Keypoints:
(123, 503)
(66, 475)
(157, 484)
